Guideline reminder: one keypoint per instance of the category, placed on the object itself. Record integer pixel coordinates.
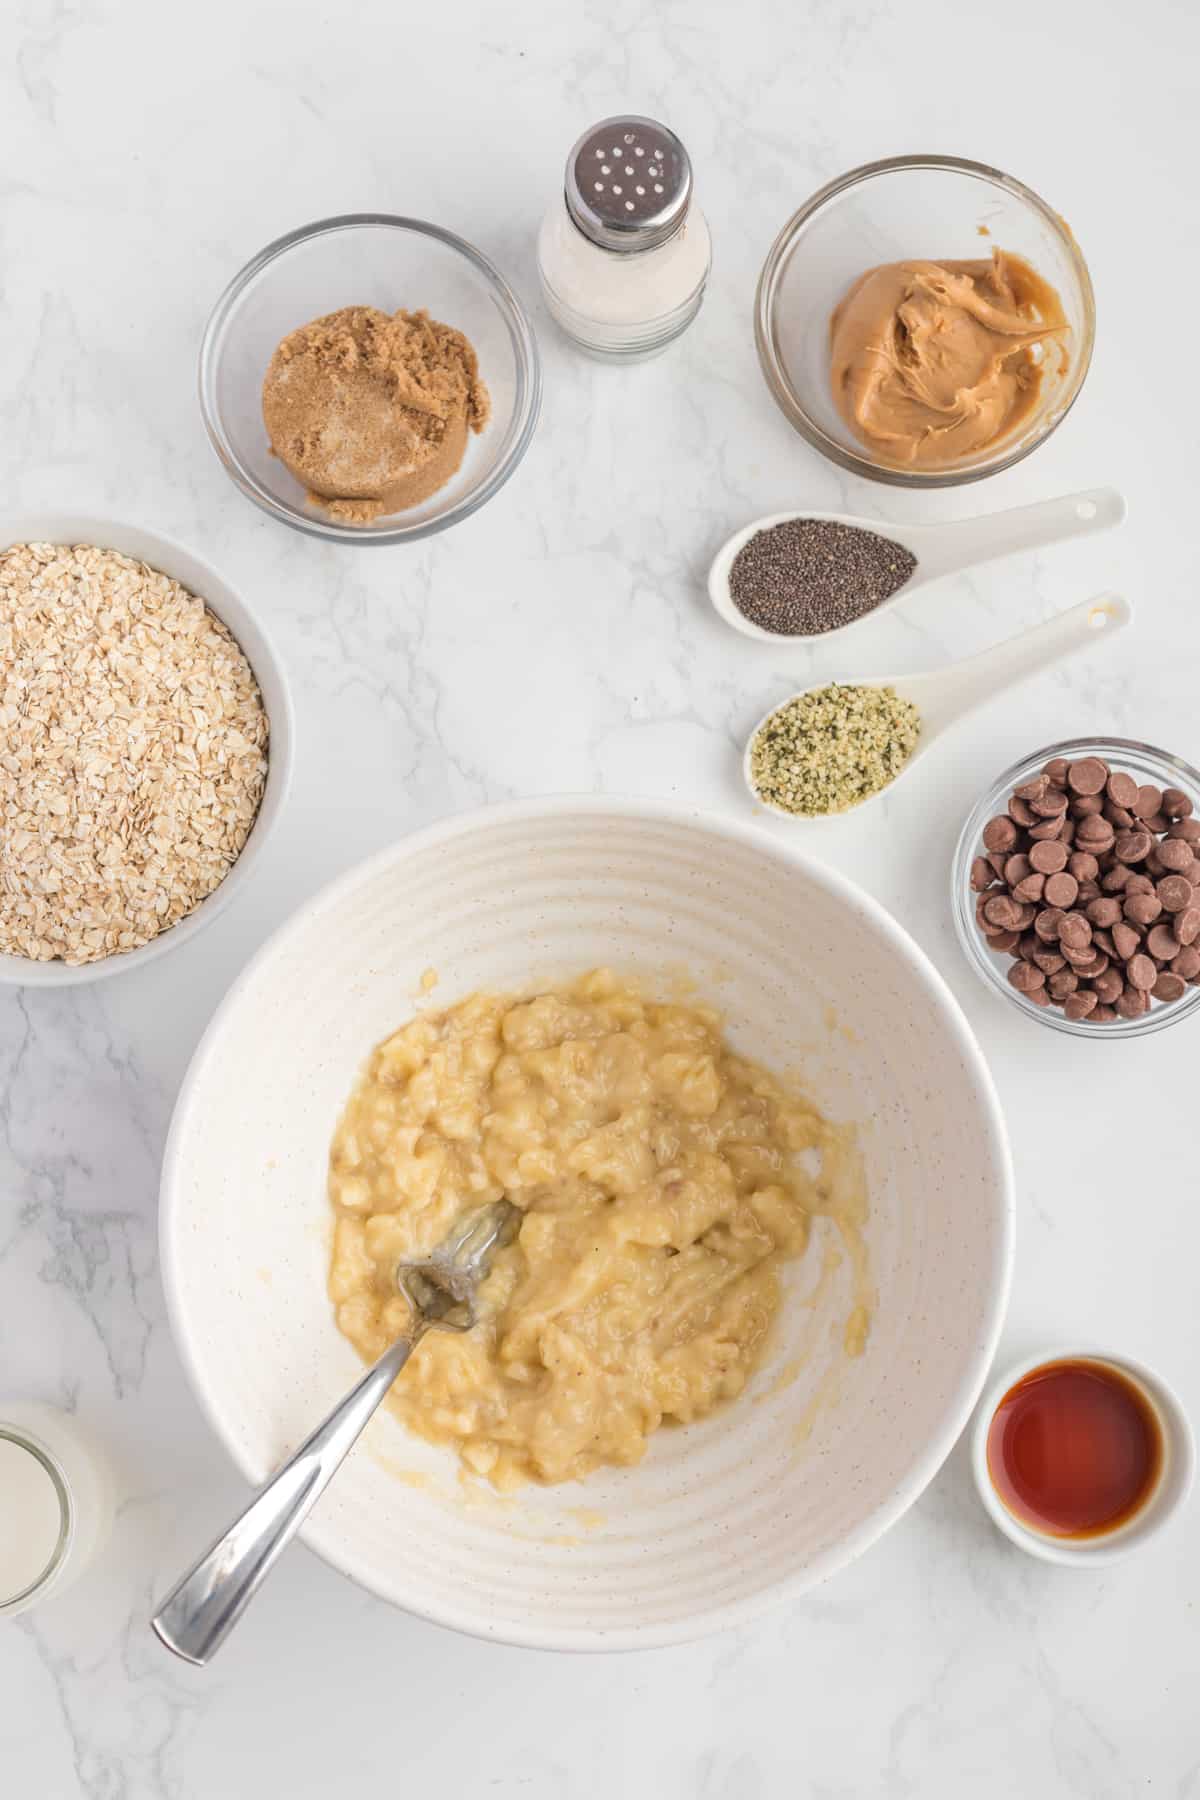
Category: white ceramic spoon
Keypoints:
(945, 696)
(939, 549)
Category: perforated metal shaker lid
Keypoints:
(629, 183)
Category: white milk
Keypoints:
(31, 1520)
(56, 1502)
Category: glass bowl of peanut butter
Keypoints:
(925, 321)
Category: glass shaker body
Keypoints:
(622, 304)
(624, 253)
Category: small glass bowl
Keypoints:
(1150, 766)
(908, 206)
(367, 259)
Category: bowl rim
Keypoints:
(970, 939)
(527, 400)
(168, 554)
(789, 402)
(965, 1394)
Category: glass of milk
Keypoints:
(56, 1503)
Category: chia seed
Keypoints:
(807, 576)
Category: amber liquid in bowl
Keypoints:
(1075, 1449)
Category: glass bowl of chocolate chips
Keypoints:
(1076, 888)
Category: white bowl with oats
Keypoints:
(147, 746)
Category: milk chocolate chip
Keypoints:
(1187, 924)
(1048, 857)
(1087, 776)
(1162, 943)
(1074, 933)
(1090, 882)
(1060, 890)
(1125, 941)
(1095, 834)
(1143, 909)
(1108, 986)
(1175, 893)
(1104, 911)
(1141, 972)
(1175, 855)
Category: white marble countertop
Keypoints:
(145, 153)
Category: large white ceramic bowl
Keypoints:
(724, 1517)
(199, 577)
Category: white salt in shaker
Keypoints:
(624, 254)
(56, 1503)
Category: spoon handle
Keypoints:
(965, 542)
(207, 1602)
(966, 685)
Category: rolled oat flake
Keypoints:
(808, 576)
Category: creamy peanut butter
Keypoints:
(935, 362)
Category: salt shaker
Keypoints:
(624, 254)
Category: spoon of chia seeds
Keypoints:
(806, 575)
(834, 747)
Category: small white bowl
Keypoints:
(1168, 1496)
(176, 560)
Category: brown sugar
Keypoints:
(371, 411)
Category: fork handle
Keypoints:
(205, 1604)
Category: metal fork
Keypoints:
(206, 1603)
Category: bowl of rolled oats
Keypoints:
(145, 746)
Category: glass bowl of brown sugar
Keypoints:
(380, 268)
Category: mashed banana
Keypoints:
(660, 1180)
